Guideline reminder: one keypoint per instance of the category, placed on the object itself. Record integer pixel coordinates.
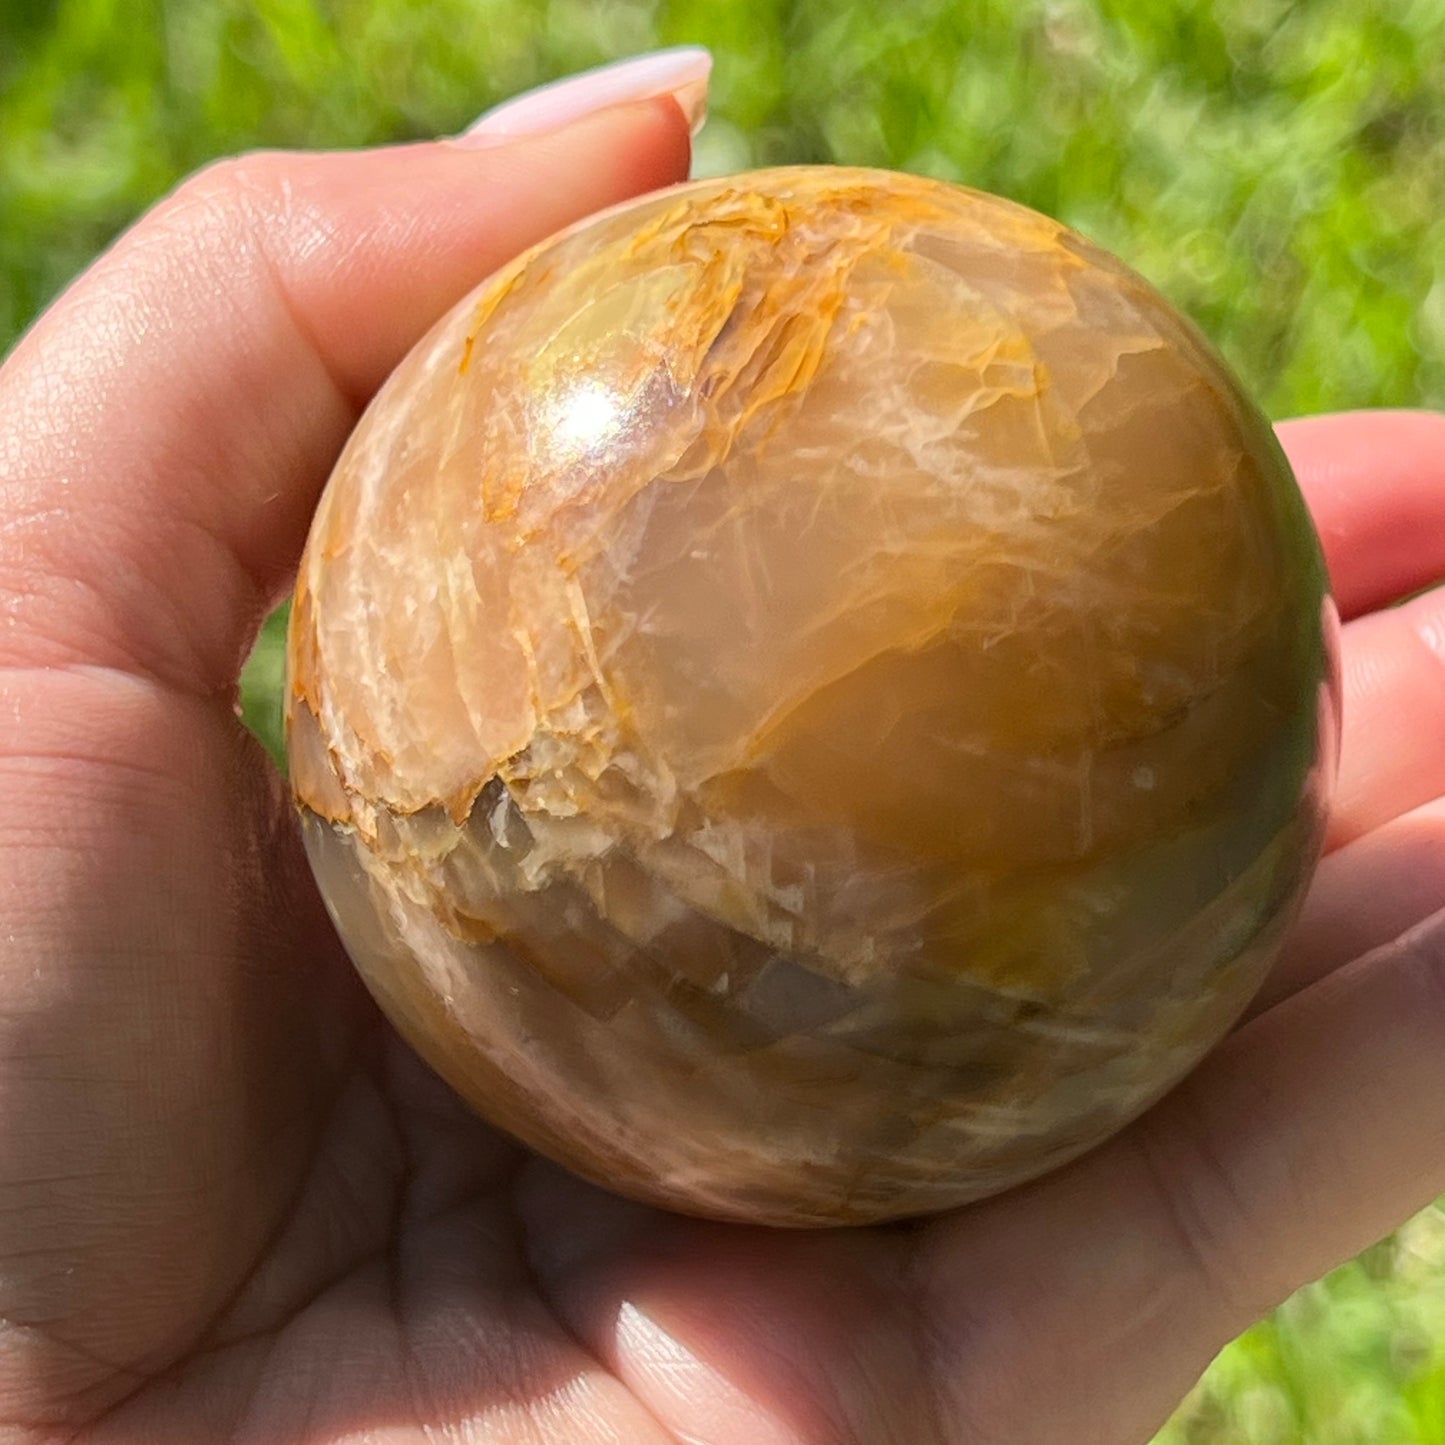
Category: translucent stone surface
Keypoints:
(811, 697)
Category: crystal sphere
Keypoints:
(812, 697)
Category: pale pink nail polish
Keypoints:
(681, 72)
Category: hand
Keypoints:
(233, 1207)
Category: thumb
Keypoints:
(166, 427)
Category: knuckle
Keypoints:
(229, 199)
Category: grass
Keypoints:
(1275, 166)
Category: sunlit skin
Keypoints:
(232, 1207)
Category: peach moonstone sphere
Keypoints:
(811, 697)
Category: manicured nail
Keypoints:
(681, 72)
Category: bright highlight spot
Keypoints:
(586, 417)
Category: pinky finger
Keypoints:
(1307, 1136)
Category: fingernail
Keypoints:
(681, 72)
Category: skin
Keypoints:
(233, 1207)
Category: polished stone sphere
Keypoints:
(812, 697)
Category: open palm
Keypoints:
(233, 1207)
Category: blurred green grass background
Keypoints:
(1277, 168)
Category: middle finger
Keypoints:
(1391, 758)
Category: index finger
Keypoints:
(1375, 484)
